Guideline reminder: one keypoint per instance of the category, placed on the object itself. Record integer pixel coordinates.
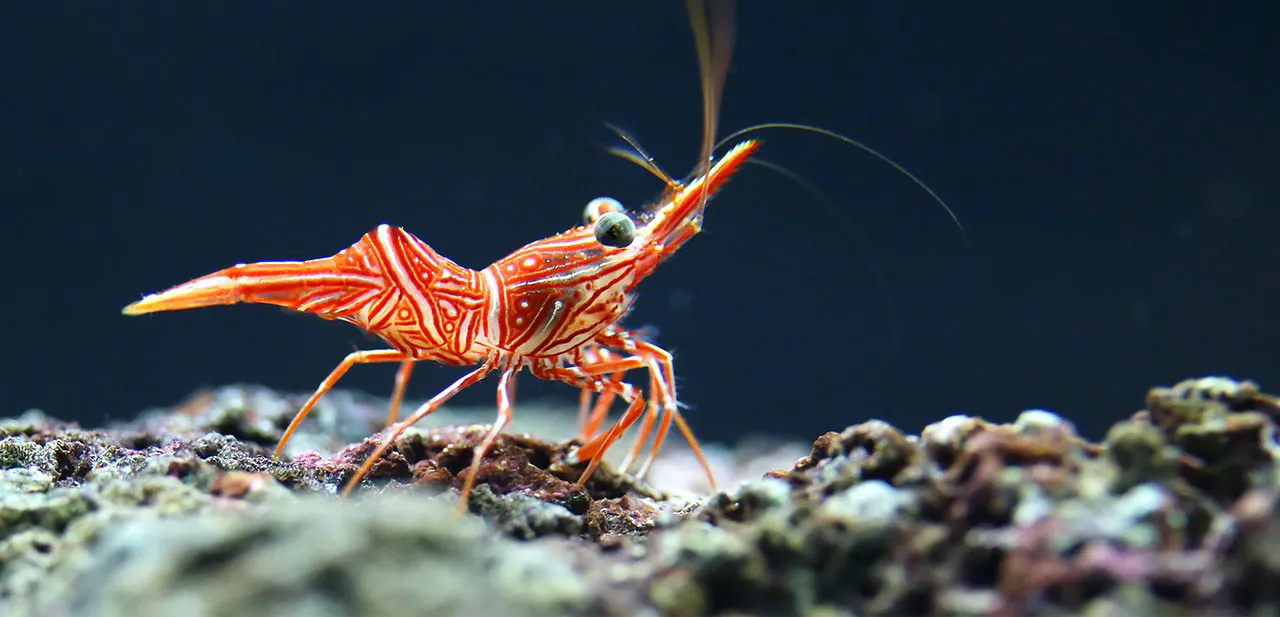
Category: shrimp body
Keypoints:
(552, 307)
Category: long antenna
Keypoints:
(713, 35)
(861, 146)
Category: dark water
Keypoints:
(1115, 166)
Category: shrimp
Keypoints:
(552, 307)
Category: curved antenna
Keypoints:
(859, 145)
(873, 265)
(643, 162)
(713, 36)
(639, 156)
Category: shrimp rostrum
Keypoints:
(552, 307)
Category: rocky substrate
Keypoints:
(184, 512)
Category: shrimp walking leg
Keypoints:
(423, 411)
(352, 359)
(587, 376)
(590, 422)
(397, 393)
(590, 416)
(506, 394)
(663, 394)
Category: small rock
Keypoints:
(868, 503)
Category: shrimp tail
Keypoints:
(329, 286)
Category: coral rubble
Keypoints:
(184, 511)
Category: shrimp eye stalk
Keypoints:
(599, 207)
(615, 229)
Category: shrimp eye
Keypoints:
(615, 229)
(598, 207)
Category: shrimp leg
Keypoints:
(352, 359)
(397, 393)
(662, 392)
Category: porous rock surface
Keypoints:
(184, 512)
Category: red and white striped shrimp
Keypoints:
(552, 307)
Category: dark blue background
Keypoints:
(1115, 163)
